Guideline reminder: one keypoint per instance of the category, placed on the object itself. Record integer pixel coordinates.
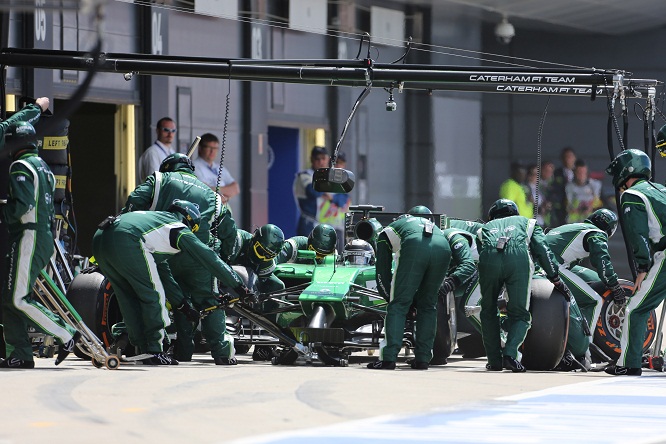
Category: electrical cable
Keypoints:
(223, 145)
(535, 210)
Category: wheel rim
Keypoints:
(614, 317)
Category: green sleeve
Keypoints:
(461, 260)
(30, 113)
(543, 254)
(188, 244)
(142, 196)
(172, 290)
(597, 244)
(21, 194)
(270, 283)
(383, 263)
(287, 253)
(635, 222)
(226, 233)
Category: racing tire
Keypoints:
(546, 340)
(445, 336)
(608, 329)
(91, 294)
(469, 341)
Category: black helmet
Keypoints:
(21, 137)
(176, 162)
(603, 219)
(266, 243)
(189, 211)
(628, 164)
(322, 240)
(502, 208)
(419, 209)
(359, 252)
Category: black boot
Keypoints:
(419, 365)
(263, 353)
(382, 365)
(16, 363)
(618, 370)
(160, 359)
(65, 349)
(225, 361)
(512, 364)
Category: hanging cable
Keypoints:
(612, 121)
(223, 145)
(535, 210)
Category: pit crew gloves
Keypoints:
(618, 294)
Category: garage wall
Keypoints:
(510, 123)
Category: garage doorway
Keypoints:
(94, 185)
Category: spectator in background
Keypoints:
(306, 196)
(543, 204)
(558, 197)
(514, 189)
(207, 168)
(333, 211)
(150, 160)
(583, 194)
(546, 185)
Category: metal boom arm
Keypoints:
(511, 80)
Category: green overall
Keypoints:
(572, 243)
(470, 292)
(241, 254)
(462, 268)
(421, 263)
(157, 193)
(290, 250)
(643, 212)
(28, 215)
(132, 253)
(511, 267)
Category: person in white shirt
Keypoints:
(150, 160)
(207, 168)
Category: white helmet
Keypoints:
(359, 252)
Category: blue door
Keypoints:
(282, 209)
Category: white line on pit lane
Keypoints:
(609, 410)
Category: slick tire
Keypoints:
(93, 298)
(445, 337)
(470, 343)
(546, 340)
(608, 330)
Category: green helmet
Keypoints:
(502, 208)
(661, 141)
(177, 162)
(419, 209)
(603, 219)
(189, 211)
(21, 137)
(628, 164)
(322, 240)
(266, 243)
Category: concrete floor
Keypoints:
(201, 402)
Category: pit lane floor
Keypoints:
(198, 402)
